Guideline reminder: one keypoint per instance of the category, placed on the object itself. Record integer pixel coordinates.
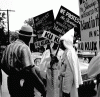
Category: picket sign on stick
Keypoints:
(54, 38)
(57, 50)
(51, 36)
(42, 43)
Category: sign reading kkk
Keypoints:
(65, 21)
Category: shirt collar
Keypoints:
(20, 41)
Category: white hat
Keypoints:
(26, 30)
(68, 39)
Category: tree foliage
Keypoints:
(13, 36)
(3, 35)
(29, 21)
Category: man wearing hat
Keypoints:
(17, 63)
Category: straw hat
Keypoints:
(26, 30)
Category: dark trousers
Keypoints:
(66, 94)
(32, 79)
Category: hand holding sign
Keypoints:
(51, 36)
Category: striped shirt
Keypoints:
(17, 55)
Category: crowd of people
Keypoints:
(58, 73)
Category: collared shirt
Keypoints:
(17, 55)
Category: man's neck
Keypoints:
(20, 40)
(23, 42)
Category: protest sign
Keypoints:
(89, 25)
(43, 22)
(77, 34)
(87, 46)
(51, 36)
(42, 43)
(65, 21)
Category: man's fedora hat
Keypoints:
(26, 30)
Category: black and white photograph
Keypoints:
(49, 48)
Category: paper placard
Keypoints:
(51, 36)
(65, 21)
(44, 21)
(42, 43)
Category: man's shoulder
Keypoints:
(21, 44)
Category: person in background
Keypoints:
(70, 69)
(45, 59)
(94, 71)
(37, 62)
(13, 36)
(17, 63)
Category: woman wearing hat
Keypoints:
(17, 64)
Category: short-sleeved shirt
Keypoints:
(17, 55)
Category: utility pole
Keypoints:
(8, 20)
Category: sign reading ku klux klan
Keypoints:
(89, 26)
(65, 21)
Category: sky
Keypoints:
(25, 9)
